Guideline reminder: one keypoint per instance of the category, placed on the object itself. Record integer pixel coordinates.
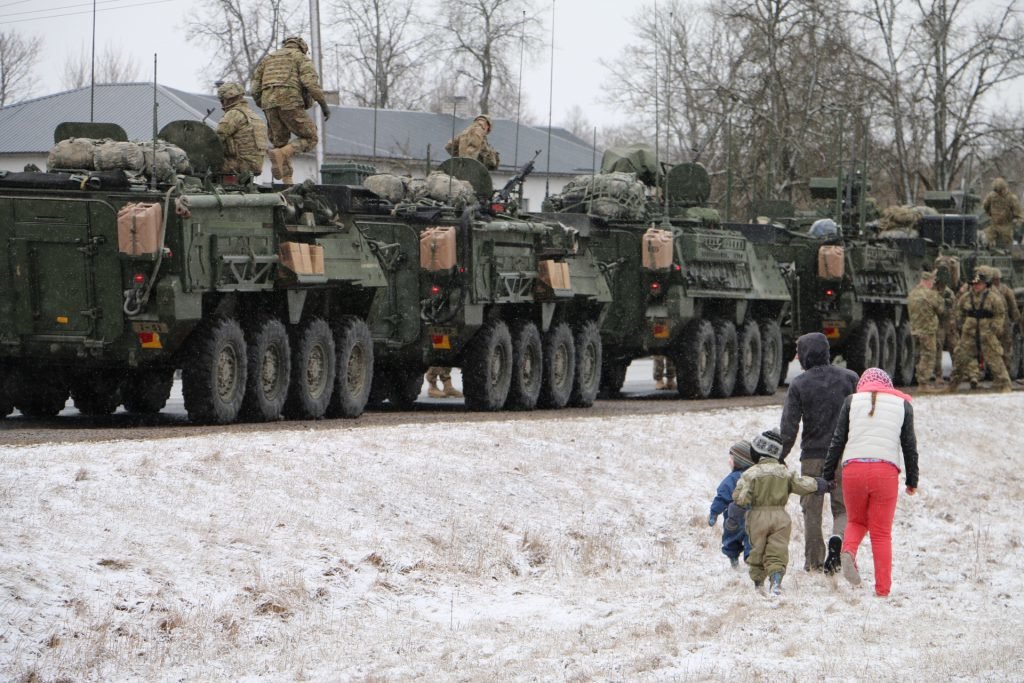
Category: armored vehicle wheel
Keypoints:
(726, 364)
(904, 376)
(771, 358)
(96, 393)
(862, 350)
(559, 367)
(145, 392)
(354, 375)
(213, 376)
(748, 358)
(695, 360)
(527, 367)
(404, 386)
(1013, 363)
(36, 395)
(314, 360)
(613, 376)
(887, 347)
(587, 381)
(487, 368)
(269, 370)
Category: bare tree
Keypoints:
(485, 39)
(576, 123)
(112, 66)
(381, 52)
(243, 32)
(18, 57)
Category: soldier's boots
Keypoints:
(433, 391)
(661, 385)
(275, 162)
(449, 391)
(671, 386)
(1002, 388)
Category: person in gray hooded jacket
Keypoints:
(815, 397)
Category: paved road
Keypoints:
(638, 397)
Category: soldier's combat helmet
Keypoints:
(982, 275)
(486, 119)
(230, 91)
(296, 42)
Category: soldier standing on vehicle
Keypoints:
(472, 143)
(1004, 210)
(242, 133)
(284, 85)
(925, 306)
(664, 374)
(983, 313)
(1012, 313)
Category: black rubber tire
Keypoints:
(613, 376)
(559, 367)
(1014, 366)
(96, 393)
(36, 394)
(145, 392)
(487, 368)
(726, 360)
(696, 359)
(527, 367)
(587, 377)
(314, 360)
(268, 372)
(404, 386)
(6, 404)
(904, 376)
(863, 348)
(214, 374)
(887, 348)
(354, 374)
(748, 358)
(771, 358)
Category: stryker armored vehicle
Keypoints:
(270, 301)
(515, 302)
(683, 286)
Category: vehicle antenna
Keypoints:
(551, 96)
(668, 109)
(657, 118)
(519, 92)
(152, 179)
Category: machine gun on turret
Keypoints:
(503, 197)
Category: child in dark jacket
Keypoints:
(734, 541)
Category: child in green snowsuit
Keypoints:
(764, 489)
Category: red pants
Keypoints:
(870, 490)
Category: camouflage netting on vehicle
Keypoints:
(438, 187)
(638, 159)
(609, 195)
(134, 158)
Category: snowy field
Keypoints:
(537, 550)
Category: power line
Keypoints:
(88, 11)
(54, 9)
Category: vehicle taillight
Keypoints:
(435, 290)
(655, 287)
(139, 280)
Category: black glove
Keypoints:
(734, 517)
(326, 111)
(832, 485)
(822, 486)
(712, 518)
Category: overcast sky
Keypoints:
(585, 32)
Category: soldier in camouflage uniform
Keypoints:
(664, 374)
(284, 85)
(1012, 314)
(242, 133)
(925, 305)
(983, 314)
(1004, 210)
(472, 143)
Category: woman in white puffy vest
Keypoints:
(873, 442)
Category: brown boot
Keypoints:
(671, 386)
(432, 389)
(275, 162)
(286, 180)
(660, 385)
(450, 391)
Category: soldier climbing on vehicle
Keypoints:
(472, 143)
(284, 85)
(242, 133)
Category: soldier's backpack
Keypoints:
(609, 195)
